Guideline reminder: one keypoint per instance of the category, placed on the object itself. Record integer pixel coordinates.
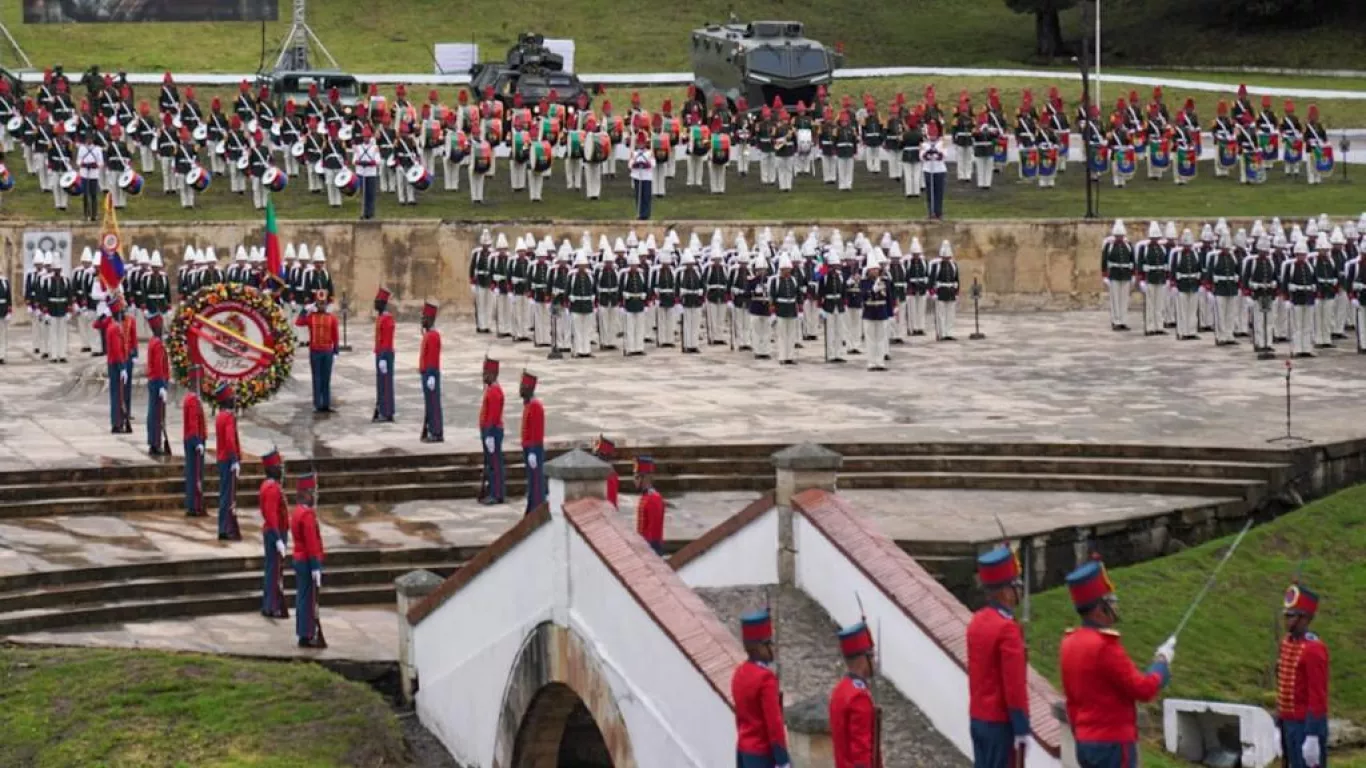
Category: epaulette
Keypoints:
(1110, 632)
(1311, 636)
(859, 684)
(1069, 630)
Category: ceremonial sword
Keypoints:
(1210, 581)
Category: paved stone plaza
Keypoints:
(1036, 377)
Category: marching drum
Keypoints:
(15, 123)
(1294, 151)
(345, 132)
(1100, 158)
(252, 125)
(6, 179)
(1254, 168)
(1048, 162)
(220, 148)
(296, 149)
(419, 177)
(319, 169)
(1029, 162)
(198, 178)
(1126, 162)
(1186, 159)
(804, 143)
(242, 163)
(200, 133)
(274, 179)
(72, 123)
(1323, 159)
(347, 181)
(72, 182)
(131, 181)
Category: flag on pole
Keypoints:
(274, 262)
(111, 265)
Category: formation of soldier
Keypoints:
(344, 147)
(857, 297)
(1304, 285)
(1101, 685)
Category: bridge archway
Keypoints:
(558, 709)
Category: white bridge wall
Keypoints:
(747, 557)
(923, 672)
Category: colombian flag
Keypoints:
(111, 266)
(274, 262)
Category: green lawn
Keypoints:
(146, 709)
(1228, 650)
(871, 198)
(616, 38)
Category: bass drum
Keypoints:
(347, 181)
(804, 141)
(131, 181)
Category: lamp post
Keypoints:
(1345, 146)
(345, 313)
(977, 334)
(1092, 181)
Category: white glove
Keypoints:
(1312, 753)
(431, 383)
(162, 395)
(1106, 281)
(1142, 286)
(531, 460)
(236, 468)
(201, 449)
(1021, 744)
(280, 547)
(103, 311)
(383, 366)
(488, 444)
(318, 579)
(123, 377)
(1167, 651)
(1202, 290)
(1356, 302)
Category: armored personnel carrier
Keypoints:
(529, 69)
(760, 60)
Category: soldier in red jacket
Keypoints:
(1101, 685)
(761, 736)
(607, 451)
(491, 434)
(308, 565)
(323, 345)
(997, 667)
(853, 717)
(229, 463)
(195, 431)
(650, 507)
(158, 377)
(384, 358)
(116, 360)
(1302, 684)
(429, 368)
(275, 532)
(533, 442)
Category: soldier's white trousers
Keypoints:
(872, 159)
(1154, 305)
(715, 322)
(148, 159)
(695, 164)
(1240, 316)
(1260, 338)
(477, 186)
(742, 158)
(1323, 322)
(635, 332)
(739, 322)
(450, 175)
(582, 323)
(896, 327)
(59, 194)
(692, 327)
(945, 314)
(186, 194)
(387, 179)
(1185, 314)
(1342, 309)
(1311, 174)
(1119, 302)
(1205, 310)
(834, 339)
(502, 313)
(664, 325)
(1169, 305)
(912, 183)
(894, 164)
(526, 315)
(716, 175)
(761, 334)
(57, 341)
(853, 330)
(535, 183)
(610, 164)
(1302, 329)
(611, 319)
(518, 176)
(964, 163)
(573, 170)
(788, 333)
(829, 173)
(292, 166)
(660, 176)
(1360, 323)
(1280, 320)
(917, 311)
(168, 174)
(811, 323)
(37, 331)
(784, 173)
(259, 193)
(875, 331)
(405, 191)
(1225, 316)
(844, 172)
(4, 337)
(767, 173)
(563, 328)
(541, 324)
(481, 308)
(592, 180)
(984, 171)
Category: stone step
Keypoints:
(1178, 486)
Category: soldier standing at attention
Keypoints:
(1151, 260)
(110, 323)
(853, 718)
(786, 295)
(491, 434)
(229, 454)
(650, 507)
(384, 358)
(1300, 292)
(997, 666)
(934, 171)
(429, 368)
(6, 307)
(275, 534)
(1222, 281)
(1101, 685)
(194, 433)
(917, 288)
(323, 346)
(1186, 276)
(1117, 272)
(1302, 684)
(533, 442)
(692, 296)
(716, 280)
(583, 300)
(308, 565)
(879, 307)
(158, 378)
(943, 281)
(964, 140)
(830, 298)
(761, 735)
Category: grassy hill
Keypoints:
(649, 38)
(147, 709)
(1227, 651)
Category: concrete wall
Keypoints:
(746, 557)
(919, 668)
(1052, 264)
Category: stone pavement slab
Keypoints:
(1048, 376)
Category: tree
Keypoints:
(1047, 25)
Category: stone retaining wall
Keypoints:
(1035, 264)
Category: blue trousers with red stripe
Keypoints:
(1293, 734)
(432, 421)
(384, 385)
(305, 600)
(227, 501)
(116, 387)
(535, 478)
(1107, 754)
(992, 744)
(194, 477)
(743, 760)
(156, 413)
(493, 462)
(273, 582)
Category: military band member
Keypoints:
(984, 139)
(1151, 260)
(1101, 685)
(853, 715)
(407, 155)
(1049, 153)
(365, 158)
(1315, 138)
(944, 287)
(491, 434)
(891, 137)
(879, 307)
(384, 358)
(429, 369)
(186, 160)
(228, 450)
(761, 735)
(1223, 131)
(583, 299)
(1292, 140)
(1026, 127)
(481, 167)
(533, 443)
(998, 691)
(308, 564)
(334, 161)
(846, 147)
(910, 140)
(1246, 137)
(258, 161)
(784, 151)
(825, 140)
(1117, 270)
(60, 159)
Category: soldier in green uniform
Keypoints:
(763, 142)
(804, 131)
(873, 136)
(1186, 274)
(1117, 272)
(911, 138)
(846, 146)
(826, 140)
(784, 150)
(963, 139)
(891, 141)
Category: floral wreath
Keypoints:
(249, 390)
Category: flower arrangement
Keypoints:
(263, 380)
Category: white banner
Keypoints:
(455, 58)
(58, 241)
(564, 48)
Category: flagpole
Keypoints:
(1098, 77)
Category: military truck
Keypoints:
(529, 69)
(760, 60)
(294, 84)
